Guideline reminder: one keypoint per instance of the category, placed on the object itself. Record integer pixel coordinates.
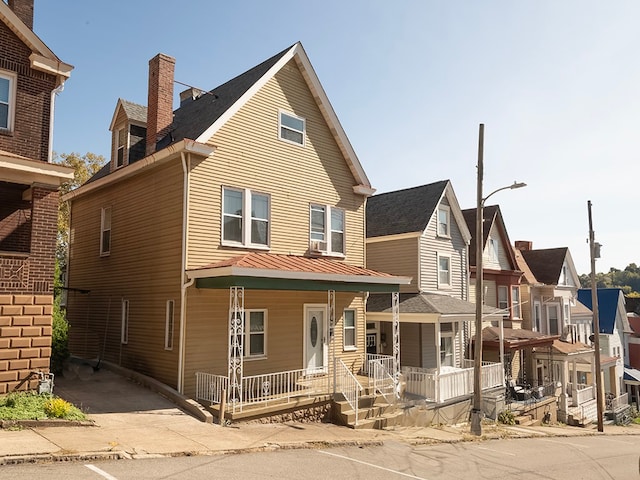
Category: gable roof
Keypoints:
(202, 117)
(491, 216)
(546, 264)
(608, 302)
(42, 58)
(133, 111)
(411, 209)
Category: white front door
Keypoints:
(314, 337)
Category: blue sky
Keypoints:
(555, 82)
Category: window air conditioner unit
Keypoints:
(317, 246)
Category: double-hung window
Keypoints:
(7, 100)
(552, 318)
(446, 350)
(537, 317)
(327, 230)
(292, 128)
(503, 298)
(245, 218)
(349, 329)
(444, 229)
(121, 146)
(515, 301)
(444, 271)
(255, 332)
(105, 231)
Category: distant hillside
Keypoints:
(628, 279)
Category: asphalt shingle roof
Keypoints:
(134, 111)
(546, 264)
(425, 303)
(403, 211)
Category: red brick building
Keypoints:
(30, 77)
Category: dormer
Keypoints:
(128, 134)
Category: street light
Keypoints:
(476, 412)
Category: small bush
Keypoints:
(57, 408)
(506, 417)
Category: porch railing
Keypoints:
(616, 402)
(385, 360)
(348, 385)
(581, 393)
(263, 389)
(443, 386)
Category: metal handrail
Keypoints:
(348, 385)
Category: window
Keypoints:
(121, 146)
(567, 312)
(493, 249)
(349, 329)
(552, 317)
(255, 332)
(444, 271)
(537, 317)
(443, 221)
(564, 279)
(292, 128)
(245, 218)
(503, 301)
(168, 333)
(105, 231)
(515, 302)
(7, 100)
(124, 333)
(326, 232)
(446, 350)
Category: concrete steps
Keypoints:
(373, 412)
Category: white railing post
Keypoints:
(395, 309)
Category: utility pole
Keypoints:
(596, 321)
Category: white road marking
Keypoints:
(496, 452)
(100, 472)
(372, 465)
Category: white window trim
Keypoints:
(515, 303)
(125, 146)
(247, 335)
(447, 210)
(11, 113)
(169, 325)
(281, 126)
(325, 250)
(493, 247)
(442, 284)
(450, 335)
(354, 347)
(124, 332)
(103, 252)
(246, 220)
(505, 289)
(558, 318)
(537, 322)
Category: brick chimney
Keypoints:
(524, 245)
(23, 10)
(160, 101)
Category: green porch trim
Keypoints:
(261, 283)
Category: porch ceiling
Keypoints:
(267, 271)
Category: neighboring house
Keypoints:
(612, 319)
(228, 254)
(420, 233)
(30, 77)
(632, 353)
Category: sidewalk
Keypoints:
(132, 421)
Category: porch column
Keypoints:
(331, 303)
(236, 337)
(395, 309)
(574, 384)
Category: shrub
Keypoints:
(506, 417)
(57, 408)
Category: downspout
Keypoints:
(183, 267)
(54, 92)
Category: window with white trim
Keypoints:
(537, 317)
(121, 146)
(349, 329)
(446, 350)
(444, 224)
(105, 231)
(326, 230)
(7, 100)
(552, 318)
(503, 300)
(515, 301)
(124, 332)
(291, 128)
(245, 218)
(169, 325)
(255, 331)
(493, 249)
(444, 271)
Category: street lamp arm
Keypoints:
(514, 185)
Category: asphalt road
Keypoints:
(597, 457)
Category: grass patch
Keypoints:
(32, 406)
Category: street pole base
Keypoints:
(476, 422)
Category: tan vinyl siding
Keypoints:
(502, 262)
(429, 346)
(431, 245)
(207, 331)
(398, 257)
(143, 267)
(294, 176)
(411, 349)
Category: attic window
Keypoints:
(292, 128)
(121, 146)
(444, 223)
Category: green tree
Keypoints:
(60, 330)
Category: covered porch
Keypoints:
(294, 329)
